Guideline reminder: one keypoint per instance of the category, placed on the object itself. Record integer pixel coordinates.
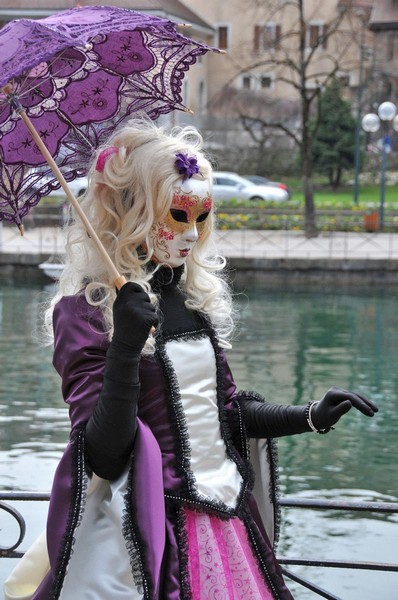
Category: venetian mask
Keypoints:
(175, 236)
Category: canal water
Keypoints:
(293, 343)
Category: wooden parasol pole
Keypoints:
(119, 280)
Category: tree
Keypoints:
(333, 147)
(305, 55)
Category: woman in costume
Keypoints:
(153, 498)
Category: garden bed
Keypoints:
(292, 219)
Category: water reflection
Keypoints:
(296, 343)
(31, 408)
(293, 344)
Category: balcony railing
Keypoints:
(374, 507)
(13, 550)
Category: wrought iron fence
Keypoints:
(374, 507)
(256, 218)
(13, 550)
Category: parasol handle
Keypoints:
(119, 280)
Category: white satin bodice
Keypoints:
(194, 364)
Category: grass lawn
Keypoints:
(341, 212)
(369, 195)
(343, 197)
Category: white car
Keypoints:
(229, 186)
(78, 186)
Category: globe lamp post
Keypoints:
(371, 123)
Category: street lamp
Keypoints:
(386, 114)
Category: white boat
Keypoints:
(52, 270)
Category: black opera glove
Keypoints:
(325, 413)
(111, 429)
(276, 420)
(133, 318)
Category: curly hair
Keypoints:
(133, 191)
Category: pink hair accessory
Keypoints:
(103, 157)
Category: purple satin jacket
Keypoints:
(79, 357)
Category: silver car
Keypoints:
(229, 186)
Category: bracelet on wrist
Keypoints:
(308, 416)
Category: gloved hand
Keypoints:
(133, 318)
(110, 431)
(335, 403)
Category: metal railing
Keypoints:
(260, 218)
(13, 551)
(375, 507)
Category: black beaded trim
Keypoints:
(189, 494)
(272, 451)
(238, 430)
(243, 466)
(274, 491)
(211, 506)
(134, 543)
(176, 415)
(259, 550)
(78, 488)
(183, 550)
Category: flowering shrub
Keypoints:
(290, 216)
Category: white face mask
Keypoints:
(175, 236)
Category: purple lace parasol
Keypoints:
(78, 75)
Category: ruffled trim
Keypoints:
(237, 427)
(189, 496)
(272, 451)
(177, 418)
(76, 509)
(182, 334)
(182, 532)
(259, 551)
(134, 544)
(243, 465)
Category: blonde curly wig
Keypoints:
(133, 191)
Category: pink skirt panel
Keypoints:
(221, 562)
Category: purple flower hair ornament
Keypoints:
(186, 165)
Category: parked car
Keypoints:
(259, 180)
(229, 186)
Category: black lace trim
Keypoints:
(259, 551)
(201, 503)
(243, 465)
(189, 495)
(178, 335)
(272, 450)
(78, 491)
(238, 430)
(135, 546)
(183, 548)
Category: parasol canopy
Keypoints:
(67, 81)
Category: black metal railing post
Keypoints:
(285, 503)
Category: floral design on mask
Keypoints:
(174, 237)
(160, 236)
(188, 210)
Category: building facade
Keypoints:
(275, 51)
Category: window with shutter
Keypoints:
(223, 37)
(266, 37)
(316, 35)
